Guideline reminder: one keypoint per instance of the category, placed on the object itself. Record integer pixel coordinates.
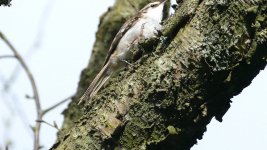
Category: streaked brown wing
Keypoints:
(125, 27)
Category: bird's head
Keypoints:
(154, 10)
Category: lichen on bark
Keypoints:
(210, 50)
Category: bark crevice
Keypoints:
(208, 54)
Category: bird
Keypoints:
(145, 23)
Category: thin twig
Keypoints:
(35, 46)
(49, 124)
(7, 56)
(56, 105)
(34, 88)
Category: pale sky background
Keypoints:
(66, 32)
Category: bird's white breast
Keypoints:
(144, 28)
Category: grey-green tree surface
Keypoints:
(209, 52)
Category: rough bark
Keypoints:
(210, 50)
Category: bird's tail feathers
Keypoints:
(97, 83)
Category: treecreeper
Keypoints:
(145, 24)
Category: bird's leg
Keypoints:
(158, 32)
(123, 60)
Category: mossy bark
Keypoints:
(209, 51)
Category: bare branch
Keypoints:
(36, 98)
(56, 105)
(34, 88)
(49, 124)
(7, 56)
(15, 105)
(35, 46)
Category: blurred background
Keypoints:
(55, 37)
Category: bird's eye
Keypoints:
(153, 5)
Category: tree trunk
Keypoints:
(209, 51)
